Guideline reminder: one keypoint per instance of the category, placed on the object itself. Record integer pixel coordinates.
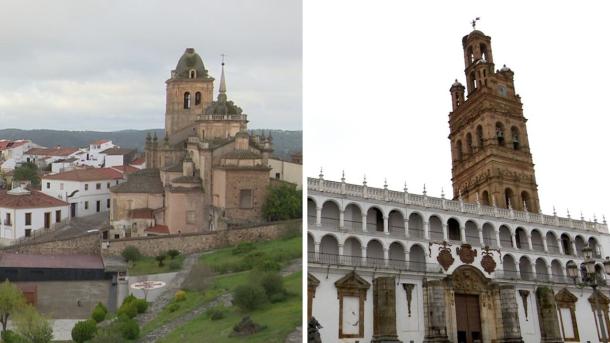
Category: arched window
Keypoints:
(525, 198)
(197, 98)
(480, 136)
(469, 143)
(500, 133)
(187, 100)
(483, 49)
(485, 198)
(514, 132)
(470, 55)
(508, 197)
(458, 148)
(192, 74)
(453, 226)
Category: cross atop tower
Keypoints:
(222, 56)
(474, 22)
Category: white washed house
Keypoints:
(86, 190)
(24, 211)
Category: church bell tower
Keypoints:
(491, 159)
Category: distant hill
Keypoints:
(284, 142)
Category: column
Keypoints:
(341, 219)
(574, 251)
(463, 234)
(384, 310)
(364, 223)
(316, 250)
(514, 240)
(498, 239)
(529, 241)
(517, 269)
(426, 230)
(363, 254)
(318, 216)
(548, 319)
(386, 256)
(544, 245)
(340, 249)
(386, 227)
(481, 239)
(510, 317)
(407, 228)
(445, 234)
(434, 307)
(560, 246)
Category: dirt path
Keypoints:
(225, 299)
(169, 293)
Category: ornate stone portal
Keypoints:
(496, 303)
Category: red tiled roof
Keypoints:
(142, 213)
(59, 151)
(99, 141)
(126, 169)
(14, 260)
(158, 229)
(35, 199)
(7, 144)
(117, 151)
(138, 161)
(89, 174)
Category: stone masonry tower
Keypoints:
(189, 91)
(491, 159)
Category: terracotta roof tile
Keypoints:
(35, 199)
(126, 169)
(117, 151)
(142, 181)
(158, 229)
(138, 161)
(99, 141)
(89, 174)
(142, 213)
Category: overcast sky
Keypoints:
(101, 65)
(377, 78)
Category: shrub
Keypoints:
(129, 328)
(175, 265)
(249, 297)
(129, 299)
(161, 258)
(129, 309)
(108, 334)
(98, 314)
(9, 336)
(173, 307)
(180, 295)
(272, 283)
(282, 202)
(216, 313)
(173, 253)
(84, 331)
(268, 266)
(131, 254)
(278, 297)
(102, 306)
(242, 248)
(199, 278)
(141, 305)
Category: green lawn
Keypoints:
(148, 265)
(280, 319)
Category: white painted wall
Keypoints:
(18, 227)
(113, 160)
(288, 171)
(86, 200)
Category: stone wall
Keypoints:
(190, 243)
(87, 244)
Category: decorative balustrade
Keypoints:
(381, 194)
(222, 117)
(372, 262)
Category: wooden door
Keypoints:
(468, 318)
(47, 220)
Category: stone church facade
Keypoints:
(206, 173)
(486, 266)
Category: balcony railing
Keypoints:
(373, 262)
(384, 194)
(7, 222)
(222, 117)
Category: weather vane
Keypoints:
(474, 22)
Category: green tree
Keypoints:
(131, 254)
(84, 331)
(283, 202)
(160, 258)
(11, 301)
(27, 172)
(32, 326)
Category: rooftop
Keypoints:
(117, 151)
(57, 151)
(16, 260)
(89, 174)
(142, 181)
(30, 199)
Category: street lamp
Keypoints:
(590, 279)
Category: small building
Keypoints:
(66, 286)
(42, 157)
(286, 171)
(86, 190)
(12, 152)
(24, 211)
(117, 156)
